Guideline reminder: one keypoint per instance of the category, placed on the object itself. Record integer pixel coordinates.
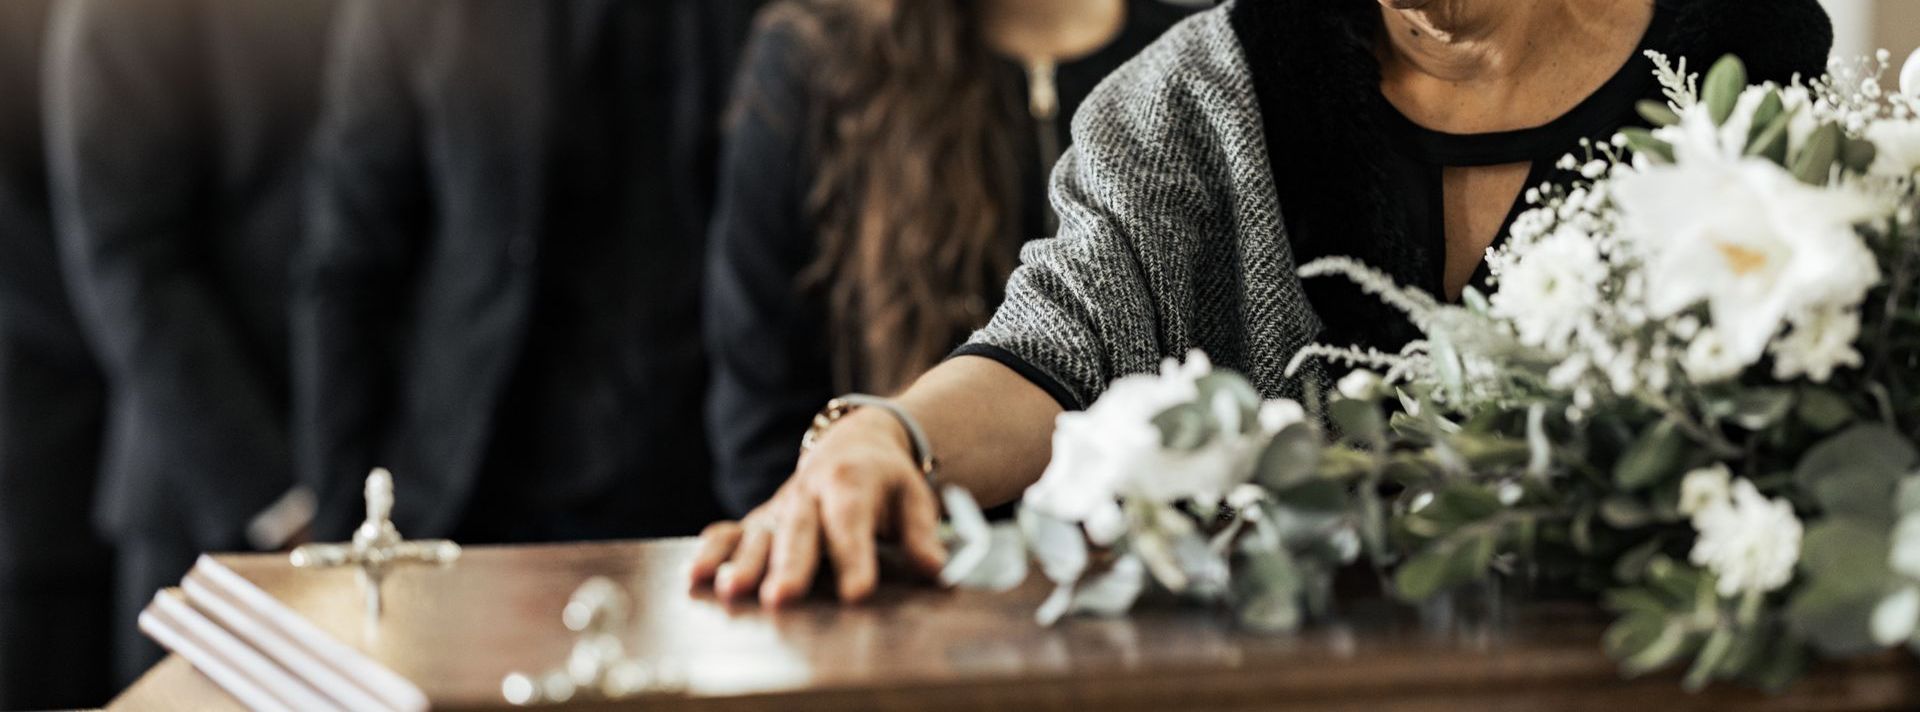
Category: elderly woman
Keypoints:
(1248, 140)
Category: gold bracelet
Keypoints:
(839, 408)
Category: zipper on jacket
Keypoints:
(1043, 103)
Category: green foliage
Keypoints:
(1855, 472)
(1657, 112)
(1845, 566)
(1659, 454)
(1814, 163)
(1725, 82)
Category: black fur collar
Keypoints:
(1317, 84)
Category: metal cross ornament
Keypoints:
(598, 667)
(376, 545)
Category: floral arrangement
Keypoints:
(1693, 393)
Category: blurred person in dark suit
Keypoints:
(499, 296)
(55, 572)
(176, 134)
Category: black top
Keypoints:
(769, 343)
(1420, 155)
(1340, 151)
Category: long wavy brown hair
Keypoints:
(913, 194)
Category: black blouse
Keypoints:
(1357, 178)
(767, 339)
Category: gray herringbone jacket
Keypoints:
(1170, 233)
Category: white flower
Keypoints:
(1898, 144)
(1096, 450)
(1904, 558)
(1749, 542)
(1552, 286)
(1705, 487)
(1708, 360)
(1821, 341)
(1113, 450)
(1910, 76)
(1361, 384)
(1895, 617)
(1748, 239)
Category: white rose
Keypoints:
(1749, 542)
(1704, 488)
(1747, 239)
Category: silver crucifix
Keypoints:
(376, 545)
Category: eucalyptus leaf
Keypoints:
(1291, 457)
(1267, 590)
(1185, 427)
(1858, 154)
(1631, 600)
(1644, 642)
(1822, 409)
(1771, 140)
(1657, 112)
(1770, 109)
(1658, 454)
(1359, 421)
(1845, 575)
(1759, 408)
(1706, 666)
(1723, 86)
(1447, 563)
(1317, 496)
(1237, 389)
(1625, 513)
(1642, 142)
(1814, 164)
(1857, 471)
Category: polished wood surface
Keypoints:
(174, 686)
(456, 631)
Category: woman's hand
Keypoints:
(859, 485)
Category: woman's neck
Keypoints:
(1050, 30)
(1474, 41)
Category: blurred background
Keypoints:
(1862, 26)
(572, 269)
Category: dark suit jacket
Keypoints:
(51, 395)
(54, 570)
(176, 130)
(417, 282)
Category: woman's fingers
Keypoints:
(717, 543)
(743, 572)
(849, 525)
(796, 552)
(919, 515)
